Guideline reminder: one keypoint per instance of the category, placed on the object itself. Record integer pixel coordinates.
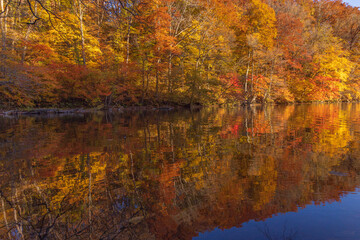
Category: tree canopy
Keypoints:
(146, 52)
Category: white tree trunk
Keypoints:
(81, 16)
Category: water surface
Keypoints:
(275, 172)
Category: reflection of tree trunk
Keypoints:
(268, 117)
(252, 122)
(172, 141)
(5, 217)
(90, 195)
(134, 183)
(246, 127)
(18, 223)
(158, 132)
(145, 142)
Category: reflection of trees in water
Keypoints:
(41, 221)
(171, 176)
(286, 233)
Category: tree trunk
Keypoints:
(27, 34)
(128, 41)
(3, 25)
(157, 81)
(147, 83)
(169, 73)
(3, 39)
(143, 81)
(247, 73)
(81, 15)
(268, 92)
(170, 54)
(252, 73)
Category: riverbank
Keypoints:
(58, 111)
(80, 110)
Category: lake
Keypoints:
(261, 172)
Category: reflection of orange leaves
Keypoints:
(46, 168)
(163, 226)
(260, 129)
(217, 184)
(232, 130)
(261, 126)
(166, 180)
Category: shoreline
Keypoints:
(149, 108)
(65, 111)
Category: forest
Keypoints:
(66, 53)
